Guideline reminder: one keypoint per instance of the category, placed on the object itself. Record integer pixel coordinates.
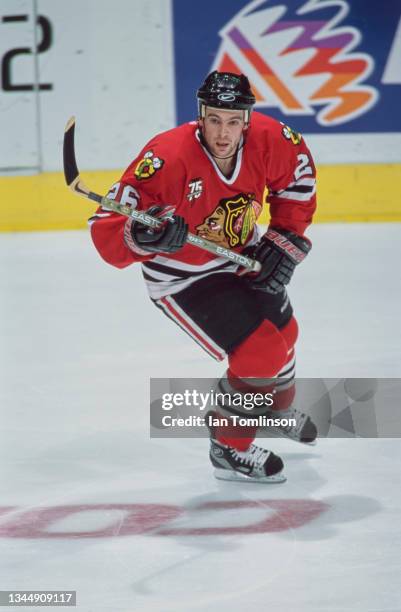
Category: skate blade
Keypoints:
(233, 476)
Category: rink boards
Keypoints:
(346, 193)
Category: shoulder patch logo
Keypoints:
(148, 165)
(290, 134)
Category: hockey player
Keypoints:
(211, 177)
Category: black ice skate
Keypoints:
(304, 430)
(253, 465)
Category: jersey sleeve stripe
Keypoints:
(295, 195)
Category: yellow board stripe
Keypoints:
(346, 193)
(360, 192)
(44, 202)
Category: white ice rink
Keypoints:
(90, 503)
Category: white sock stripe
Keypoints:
(282, 379)
(259, 382)
(288, 368)
(287, 374)
(287, 384)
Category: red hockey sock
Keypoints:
(261, 356)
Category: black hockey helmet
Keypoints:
(226, 90)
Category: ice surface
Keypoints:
(90, 503)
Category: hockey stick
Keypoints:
(76, 184)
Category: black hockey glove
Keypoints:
(168, 238)
(279, 251)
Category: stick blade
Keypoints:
(69, 161)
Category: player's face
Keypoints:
(222, 130)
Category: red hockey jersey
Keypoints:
(273, 167)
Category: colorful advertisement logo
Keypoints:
(300, 63)
(321, 61)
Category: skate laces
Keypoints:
(255, 455)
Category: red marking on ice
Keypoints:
(142, 519)
(288, 514)
(139, 519)
(7, 509)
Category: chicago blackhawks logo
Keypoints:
(232, 221)
(148, 166)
